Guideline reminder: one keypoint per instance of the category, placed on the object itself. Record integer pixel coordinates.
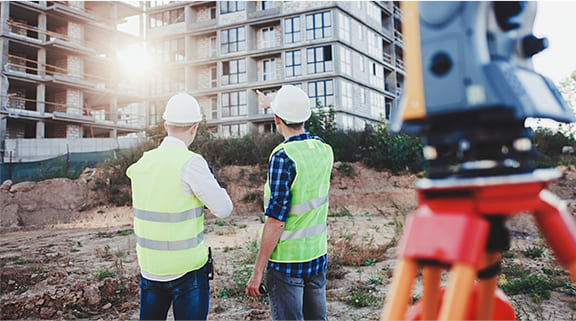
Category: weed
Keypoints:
(126, 232)
(250, 197)
(537, 287)
(20, 261)
(343, 212)
(74, 250)
(345, 169)
(219, 309)
(513, 270)
(104, 252)
(220, 223)
(533, 252)
(350, 250)
(102, 274)
(22, 290)
(252, 247)
(227, 248)
(362, 295)
(104, 235)
(370, 262)
(375, 281)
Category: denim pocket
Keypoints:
(288, 280)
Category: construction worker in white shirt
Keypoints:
(170, 187)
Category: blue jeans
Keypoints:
(296, 298)
(189, 296)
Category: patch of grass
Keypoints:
(102, 274)
(74, 250)
(362, 295)
(220, 223)
(250, 197)
(537, 287)
(14, 260)
(533, 252)
(219, 309)
(126, 232)
(348, 249)
(514, 270)
(104, 235)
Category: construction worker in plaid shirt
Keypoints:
(293, 238)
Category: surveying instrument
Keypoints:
(469, 88)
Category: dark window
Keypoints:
(267, 5)
(234, 72)
(319, 59)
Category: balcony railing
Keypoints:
(387, 57)
(398, 35)
(19, 64)
(87, 113)
(34, 31)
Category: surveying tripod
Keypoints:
(469, 88)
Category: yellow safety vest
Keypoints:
(169, 225)
(304, 235)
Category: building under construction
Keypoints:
(60, 93)
(344, 54)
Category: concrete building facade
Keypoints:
(347, 55)
(59, 92)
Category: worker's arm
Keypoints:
(270, 235)
(281, 174)
(201, 182)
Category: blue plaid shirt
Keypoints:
(281, 174)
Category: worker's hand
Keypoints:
(263, 100)
(253, 285)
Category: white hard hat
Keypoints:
(182, 110)
(291, 104)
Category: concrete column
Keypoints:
(41, 98)
(3, 125)
(4, 15)
(41, 61)
(40, 129)
(188, 17)
(42, 25)
(114, 133)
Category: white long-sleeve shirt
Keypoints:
(197, 179)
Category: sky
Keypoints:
(556, 20)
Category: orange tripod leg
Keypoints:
(398, 298)
(458, 291)
(430, 292)
(486, 290)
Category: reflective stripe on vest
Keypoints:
(168, 217)
(296, 209)
(170, 245)
(304, 232)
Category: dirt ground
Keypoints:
(83, 266)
